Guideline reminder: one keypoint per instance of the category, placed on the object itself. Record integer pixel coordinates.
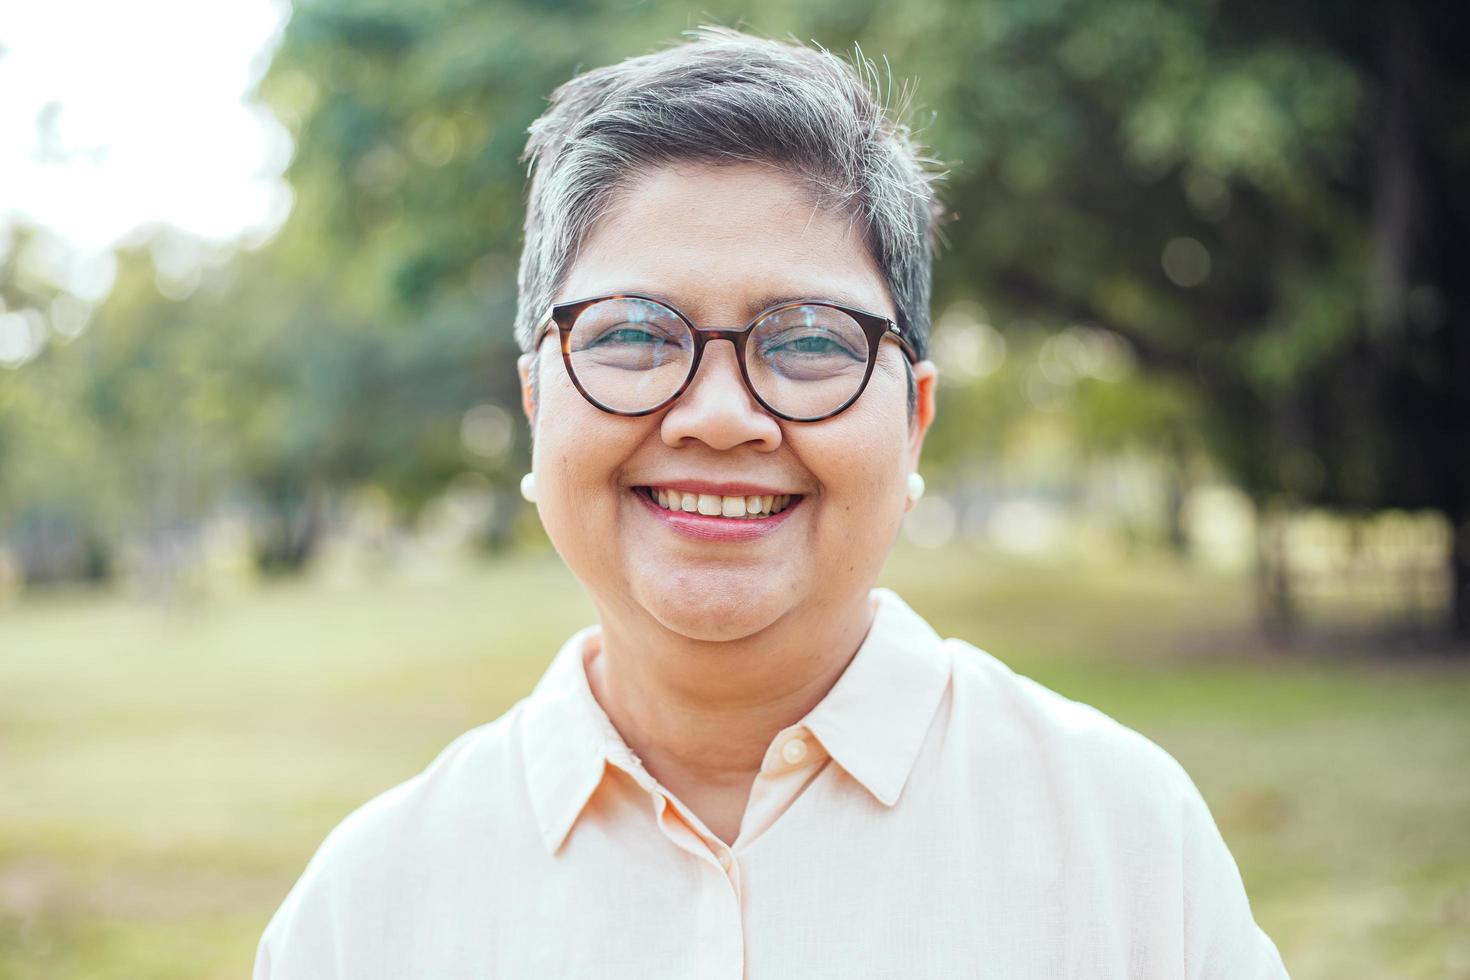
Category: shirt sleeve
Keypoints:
(1221, 938)
(300, 941)
(304, 940)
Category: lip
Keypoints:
(705, 528)
(720, 489)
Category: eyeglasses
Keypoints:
(803, 361)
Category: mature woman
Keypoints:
(756, 765)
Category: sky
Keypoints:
(118, 116)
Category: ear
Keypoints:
(525, 364)
(926, 380)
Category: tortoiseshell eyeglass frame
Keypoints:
(564, 316)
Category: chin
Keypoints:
(714, 608)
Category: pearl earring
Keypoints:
(916, 488)
(528, 487)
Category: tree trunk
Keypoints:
(1460, 577)
(1421, 248)
(291, 531)
(1274, 606)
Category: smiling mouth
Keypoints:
(752, 507)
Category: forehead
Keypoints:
(725, 241)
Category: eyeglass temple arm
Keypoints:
(545, 325)
(903, 342)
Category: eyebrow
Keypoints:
(762, 302)
(771, 299)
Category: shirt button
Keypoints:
(725, 861)
(794, 751)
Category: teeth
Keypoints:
(715, 505)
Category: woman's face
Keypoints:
(721, 243)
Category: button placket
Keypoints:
(721, 933)
(721, 928)
(714, 852)
(676, 829)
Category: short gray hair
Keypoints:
(725, 96)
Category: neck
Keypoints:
(701, 713)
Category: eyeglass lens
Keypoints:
(631, 355)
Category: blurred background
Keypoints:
(1202, 457)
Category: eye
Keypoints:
(628, 334)
(812, 344)
(812, 335)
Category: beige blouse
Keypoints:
(935, 816)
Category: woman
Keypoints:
(757, 765)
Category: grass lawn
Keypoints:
(166, 771)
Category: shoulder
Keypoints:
(1077, 750)
(1120, 815)
(385, 848)
(471, 775)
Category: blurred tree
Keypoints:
(54, 471)
(1262, 198)
(1249, 193)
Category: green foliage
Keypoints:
(1197, 178)
(1190, 181)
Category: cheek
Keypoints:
(575, 463)
(859, 457)
(578, 452)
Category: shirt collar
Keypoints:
(874, 719)
(872, 722)
(565, 741)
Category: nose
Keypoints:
(717, 409)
